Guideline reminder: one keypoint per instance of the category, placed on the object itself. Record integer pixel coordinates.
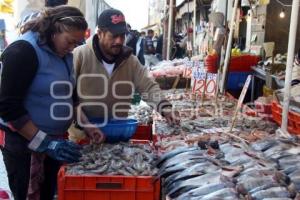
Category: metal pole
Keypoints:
(170, 29)
(226, 12)
(228, 49)
(165, 32)
(149, 5)
(289, 66)
(194, 28)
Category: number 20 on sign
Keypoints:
(199, 84)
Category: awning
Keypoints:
(151, 26)
(187, 7)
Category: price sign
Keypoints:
(199, 64)
(199, 84)
(190, 66)
(187, 72)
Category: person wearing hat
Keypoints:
(108, 73)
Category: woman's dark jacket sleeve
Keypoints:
(19, 67)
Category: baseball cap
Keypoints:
(113, 20)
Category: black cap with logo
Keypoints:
(113, 20)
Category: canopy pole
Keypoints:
(289, 66)
(194, 26)
(228, 49)
(170, 28)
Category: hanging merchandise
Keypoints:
(264, 2)
(6, 6)
(245, 3)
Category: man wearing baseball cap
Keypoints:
(108, 73)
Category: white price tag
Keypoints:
(199, 84)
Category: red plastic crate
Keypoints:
(242, 63)
(143, 132)
(268, 117)
(72, 187)
(263, 108)
(293, 118)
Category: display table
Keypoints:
(259, 80)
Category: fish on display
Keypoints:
(116, 159)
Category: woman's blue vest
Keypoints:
(49, 98)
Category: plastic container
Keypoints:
(143, 132)
(117, 130)
(210, 63)
(262, 108)
(268, 117)
(242, 63)
(236, 80)
(293, 118)
(96, 187)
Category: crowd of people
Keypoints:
(149, 48)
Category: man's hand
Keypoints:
(171, 116)
(94, 133)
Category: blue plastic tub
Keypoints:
(116, 130)
(236, 80)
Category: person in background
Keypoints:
(297, 57)
(296, 69)
(140, 47)
(105, 67)
(177, 51)
(154, 39)
(53, 3)
(33, 14)
(32, 6)
(159, 47)
(131, 38)
(36, 110)
(149, 50)
(187, 41)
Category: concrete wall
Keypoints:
(277, 29)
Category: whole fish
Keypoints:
(186, 185)
(173, 153)
(206, 189)
(274, 192)
(222, 193)
(264, 144)
(193, 171)
(253, 183)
